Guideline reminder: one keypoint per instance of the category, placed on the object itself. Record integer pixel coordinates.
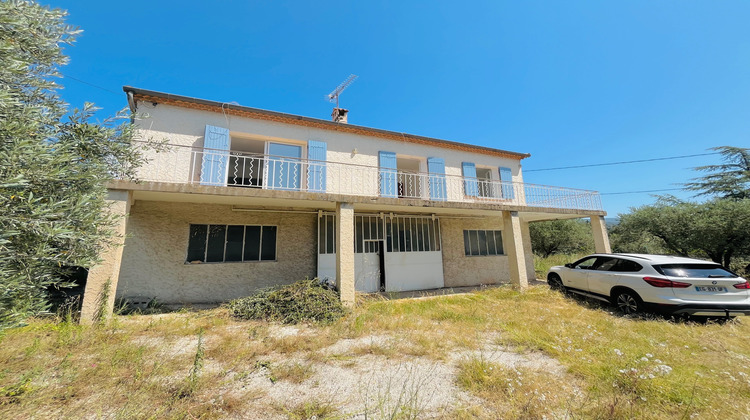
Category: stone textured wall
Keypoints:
(460, 270)
(153, 261)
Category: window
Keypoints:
(412, 234)
(483, 242)
(704, 271)
(231, 243)
(400, 233)
(585, 264)
(605, 264)
(627, 266)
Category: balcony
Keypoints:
(190, 165)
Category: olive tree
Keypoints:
(54, 163)
(560, 236)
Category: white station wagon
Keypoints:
(658, 283)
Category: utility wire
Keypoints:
(622, 162)
(644, 191)
(91, 84)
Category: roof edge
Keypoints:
(245, 111)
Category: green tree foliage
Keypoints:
(730, 179)
(52, 168)
(717, 229)
(560, 236)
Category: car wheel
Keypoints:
(555, 282)
(628, 302)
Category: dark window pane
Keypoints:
(474, 241)
(379, 223)
(234, 243)
(482, 242)
(322, 235)
(364, 224)
(437, 235)
(388, 235)
(331, 235)
(401, 235)
(197, 243)
(605, 263)
(216, 239)
(491, 248)
(252, 243)
(499, 242)
(467, 243)
(358, 233)
(627, 266)
(431, 235)
(268, 243)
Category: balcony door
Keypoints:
(284, 167)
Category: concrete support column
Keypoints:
(101, 284)
(345, 252)
(601, 238)
(514, 248)
(528, 251)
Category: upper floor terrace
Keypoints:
(181, 164)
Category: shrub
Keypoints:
(304, 301)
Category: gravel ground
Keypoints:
(375, 386)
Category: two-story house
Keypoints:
(244, 199)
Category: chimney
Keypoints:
(339, 115)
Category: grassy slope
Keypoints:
(145, 366)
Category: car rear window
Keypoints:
(694, 270)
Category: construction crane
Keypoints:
(333, 97)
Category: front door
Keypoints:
(367, 267)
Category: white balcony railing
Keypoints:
(187, 165)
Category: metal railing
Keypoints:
(190, 165)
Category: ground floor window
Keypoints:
(397, 233)
(483, 242)
(412, 234)
(231, 243)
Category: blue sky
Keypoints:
(572, 83)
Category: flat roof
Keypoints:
(262, 114)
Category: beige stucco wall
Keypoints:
(186, 127)
(460, 270)
(153, 261)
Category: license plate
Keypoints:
(710, 289)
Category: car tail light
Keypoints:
(657, 282)
(744, 285)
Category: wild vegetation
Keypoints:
(494, 353)
(305, 300)
(55, 163)
(715, 229)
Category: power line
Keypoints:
(91, 84)
(644, 191)
(622, 162)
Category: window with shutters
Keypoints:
(231, 243)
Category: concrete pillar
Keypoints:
(514, 248)
(345, 252)
(101, 284)
(528, 251)
(601, 238)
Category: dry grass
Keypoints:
(612, 366)
(517, 392)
